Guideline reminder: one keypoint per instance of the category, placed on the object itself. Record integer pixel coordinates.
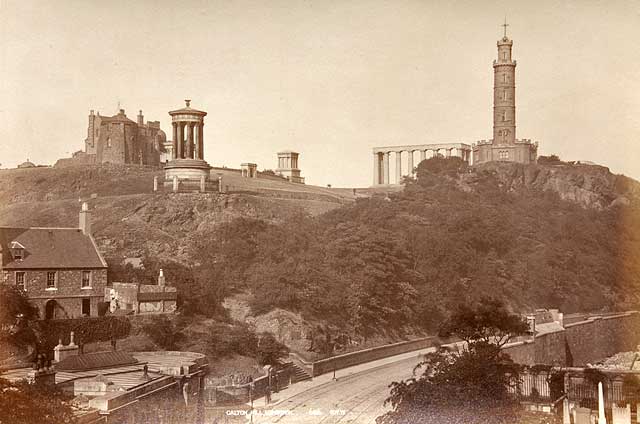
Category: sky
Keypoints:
(329, 79)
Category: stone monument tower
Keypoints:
(504, 146)
(187, 166)
(504, 94)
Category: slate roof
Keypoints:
(51, 248)
(95, 360)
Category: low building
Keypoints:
(249, 170)
(124, 387)
(141, 298)
(288, 166)
(26, 164)
(60, 269)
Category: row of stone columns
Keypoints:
(287, 162)
(381, 162)
(192, 147)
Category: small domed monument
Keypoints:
(187, 168)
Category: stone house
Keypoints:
(60, 269)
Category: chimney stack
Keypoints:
(85, 219)
(140, 118)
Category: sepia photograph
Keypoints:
(319, 212)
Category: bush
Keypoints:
(163, 332)
(269, 351)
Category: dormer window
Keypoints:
(17, 251)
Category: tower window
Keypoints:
(504, 55)
(504, 95)
(504, 77)
(504, 116)
(108, 141)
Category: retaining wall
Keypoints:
(324, 366)
(580, 343)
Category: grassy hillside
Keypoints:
(130, 220)
(555, 235)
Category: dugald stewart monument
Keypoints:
(256, 272)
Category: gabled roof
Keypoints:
(50, 248)
(15, 245)
(95, 360)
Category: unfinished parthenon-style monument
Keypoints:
(381, 158)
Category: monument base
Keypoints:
(187, 169)
(187, 175)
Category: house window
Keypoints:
(86, 279)
(52, 279)
(86, 307)
(20, 280)
(504, 155)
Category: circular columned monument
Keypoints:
(187, 166)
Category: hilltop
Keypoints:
(130, 220)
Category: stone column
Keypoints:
(180, 154)
(423, 155)
(410, 163)
(175, 183)
(155, 183)
(398, 167)
(386, 168)
(201, 141)
(376, 169)
(202, 184)
(190, 140)
(174, 154)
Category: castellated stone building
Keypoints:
(118, 139)
(504, 146)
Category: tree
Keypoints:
(269, 351)
(469, 386)
(488, 322)
(24, 403)
(15, 313)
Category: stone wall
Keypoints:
(580, 343)
(324, 366)
(597, 338)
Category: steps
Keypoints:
(299, 374)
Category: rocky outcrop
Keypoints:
(591, 186)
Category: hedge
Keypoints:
(86, 330)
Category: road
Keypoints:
(352, 398)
